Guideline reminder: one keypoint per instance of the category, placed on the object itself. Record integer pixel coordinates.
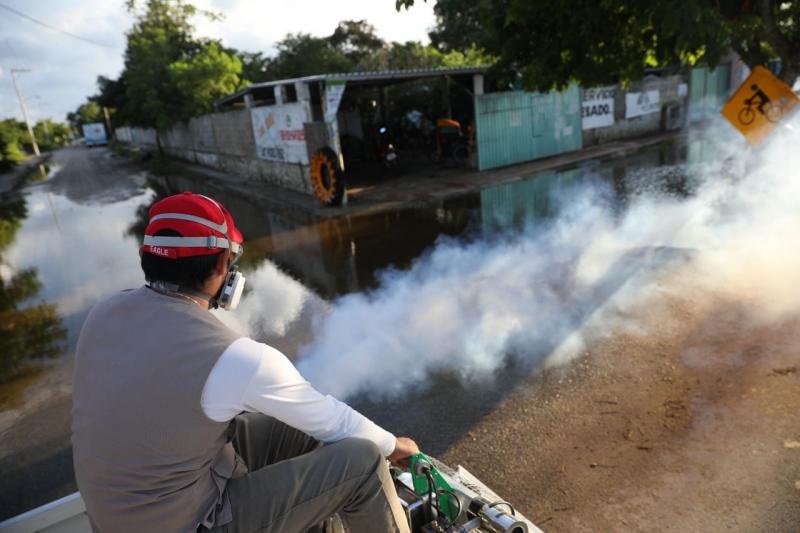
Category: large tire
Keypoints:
(460, 153)
(327, 178)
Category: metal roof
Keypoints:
(361, 78)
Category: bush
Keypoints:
(11, 155)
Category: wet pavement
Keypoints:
(72, 238)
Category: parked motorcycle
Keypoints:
(386, 148)
(447, 142)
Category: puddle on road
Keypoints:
(73, 254)
(59, 255)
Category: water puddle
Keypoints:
(67, 241)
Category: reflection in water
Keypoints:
(26, 331)
(86, 260)
(333, 256)
(338, 256)
(73, 240)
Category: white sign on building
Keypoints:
(597, 108)
(279, 133)
(334, 90)
(643, 103)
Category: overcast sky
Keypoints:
(64, 69)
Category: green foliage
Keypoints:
(255, 66)
(13, 134)
(353, 46)
(209, 75)
(51, 135)
(160, 36)
(169, 75)
(356, 40)
(301, 54)
(26, 331)
(552, 43)
(458, 25)
(11, 156)
(14, 210)
(85, 114)
(401, 56)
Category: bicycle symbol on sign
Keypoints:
(773, 111)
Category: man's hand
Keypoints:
(403, 449)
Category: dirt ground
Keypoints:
(690, 423)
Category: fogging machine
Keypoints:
(436, 500)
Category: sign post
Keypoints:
(758, 105)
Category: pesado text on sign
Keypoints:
(597, 107)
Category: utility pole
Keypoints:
(14, 72)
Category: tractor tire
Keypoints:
(327, 178)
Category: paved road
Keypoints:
(33, 474)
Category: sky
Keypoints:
(64, 69)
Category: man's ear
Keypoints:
(222, 263)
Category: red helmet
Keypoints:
(204, 226)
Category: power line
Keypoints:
(53, 28)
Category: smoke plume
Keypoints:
(465, 307)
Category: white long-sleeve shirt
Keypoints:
(254, 377)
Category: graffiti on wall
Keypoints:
(279, 133)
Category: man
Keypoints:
(158, 440)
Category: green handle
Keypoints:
(422, 469)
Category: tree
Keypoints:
(356, 40)
(255, 66)
(111, 95)
(206, 77)
(161, 60)
(552, 43)
(85, 114)
(51, 134)
(301, 54)
(13, 134)
(402, 56)
(458, 25)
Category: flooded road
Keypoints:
(76, 236)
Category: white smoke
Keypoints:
(465, 307)
(272, 302)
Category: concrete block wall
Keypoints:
(222, 141)
(643, 125)
(201, 132)
(176, 138)
(233, 133)
(138, 136)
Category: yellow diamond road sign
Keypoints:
(759, 104)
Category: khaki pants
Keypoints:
(293, 484)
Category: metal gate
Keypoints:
(513, 127)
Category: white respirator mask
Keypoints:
(231, 291)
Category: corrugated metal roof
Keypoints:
(362, 77)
